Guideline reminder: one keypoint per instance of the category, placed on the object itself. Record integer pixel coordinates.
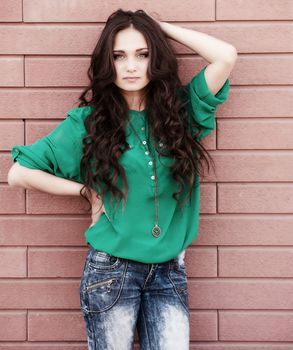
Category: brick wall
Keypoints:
(240, 268)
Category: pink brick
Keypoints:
(254, 166)
(258, 37)
(240, 293)
(203, 326)
(43, 230)
(254, 10)
(92, 11)
(56, 326)
(12, 326)
(43, 346)
(255, 198)
(29, 39)
(37, 103)
(11, 10)
(208, 198)
(255, 262)
(40, 294)
(239, 346)
(256, 326)
(6, 163)
(13, 262)
(12, 200)
(262, 70)
(11, 70)
(238, 229)
(252, 102)
(43, 203)
(38, 129)
(257, 134)
(11, 133)
(56, 71)
(201, 262)
(56, 262)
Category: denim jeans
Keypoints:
(119, 296)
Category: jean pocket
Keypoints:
(102, 261)
(101, 284)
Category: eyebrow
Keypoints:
(144, 48)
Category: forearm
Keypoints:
(20, 176)
(209, 47)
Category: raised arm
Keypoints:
(208, 88)
(221, 55)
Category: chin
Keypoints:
(132, 88)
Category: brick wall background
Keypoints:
(240, 268)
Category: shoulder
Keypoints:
(198, 91)
(79, 114)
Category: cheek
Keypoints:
(145, 68)
(118, 71)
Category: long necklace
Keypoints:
(156, 230)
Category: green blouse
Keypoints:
(126, 232)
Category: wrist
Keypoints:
(166, 28)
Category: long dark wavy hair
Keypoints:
(105, 140)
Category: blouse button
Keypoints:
(147, 153)
(161, 144)
(142, 128)
(153, 177)
(144, 142)
(150, 162)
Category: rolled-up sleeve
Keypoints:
(58, 153)
(203, 104)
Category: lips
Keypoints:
(131, 78)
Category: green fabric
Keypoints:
(126, 232)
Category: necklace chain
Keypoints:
(156, 230)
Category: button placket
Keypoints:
(142, 131)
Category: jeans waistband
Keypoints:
(180, 257)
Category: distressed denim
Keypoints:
(119, 296)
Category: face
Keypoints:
(130, 54)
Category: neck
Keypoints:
(134, 99)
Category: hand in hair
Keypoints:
(156, 20)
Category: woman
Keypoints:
(135, 140)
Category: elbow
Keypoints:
(232, 55)
(13, 177)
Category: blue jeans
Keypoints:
(118, 296)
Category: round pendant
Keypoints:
(156, 231)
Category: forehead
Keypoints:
(129, 39)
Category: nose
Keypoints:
(130, 65)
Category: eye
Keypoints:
(116, 56)
(144, 54)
